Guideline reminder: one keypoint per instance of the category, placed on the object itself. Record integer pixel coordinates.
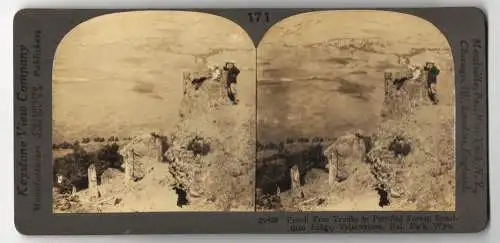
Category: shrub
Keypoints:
(199, 146)
(65, 145)
(109, 153)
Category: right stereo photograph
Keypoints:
(355, 112)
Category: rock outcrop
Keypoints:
(404, 94)
(397, 153)
(140, 155)
(212, 152)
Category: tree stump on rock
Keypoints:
(403, 92)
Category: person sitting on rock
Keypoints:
(432, 73)
(232, 75)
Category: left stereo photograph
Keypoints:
(147, 116)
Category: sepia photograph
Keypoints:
(355, 112)
(154, 111)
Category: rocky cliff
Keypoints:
(212, 155)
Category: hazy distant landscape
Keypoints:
(121, 74)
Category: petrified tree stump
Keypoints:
(405, 89)
(92, 177)
(332, 168)
(344, 156)
(295, 177)
(159, 149)
(387, 83)
(129, 166)
(424, 94)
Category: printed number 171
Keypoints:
(257, 17)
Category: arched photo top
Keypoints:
(173, 26)
(149, 31)
(396, 33)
